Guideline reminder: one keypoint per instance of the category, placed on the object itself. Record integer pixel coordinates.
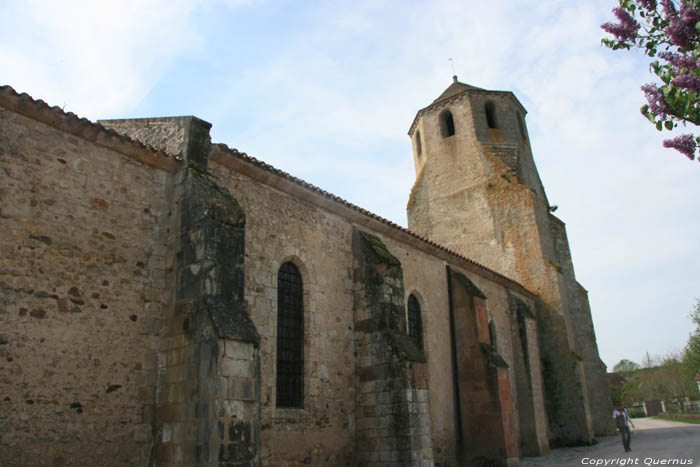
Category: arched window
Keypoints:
(415, 322)
(290, 337)
(447, 124)
(419, 146)
(490, 110)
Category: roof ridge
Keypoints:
(55, 116)
(269, 168)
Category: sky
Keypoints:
(327, 90)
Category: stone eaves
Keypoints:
(271, 176)
(83, 128)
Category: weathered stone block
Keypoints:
(236, 368)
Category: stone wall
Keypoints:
(167, 133)
(584, 334)
(83, 289)
(317, 237)
(281, 228)
(146, 288)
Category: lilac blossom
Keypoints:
(689, 82)
(689, 15)
(669, 7)
(678, 32)
(685, 144)
(680, 61)
(657, 104)
(681, 28)
(626, 30)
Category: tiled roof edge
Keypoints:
(220, 147)
(69, 122)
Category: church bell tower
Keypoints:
(478, 192)
(471, 150)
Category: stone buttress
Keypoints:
(392, 411)
(207, 401)
(485, 412)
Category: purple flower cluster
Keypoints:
(669, 7)
(657, 104)
(689, 82)
(649, 5)
(685, 144)
(679, 61)
(689, 15)
(626, 30)
(681, 28)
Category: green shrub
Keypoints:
(636, 412)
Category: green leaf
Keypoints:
(668, 124)
(648, 115)
(697, 26)
(659, 126)
(666, 78)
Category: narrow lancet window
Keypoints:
(522, 330)
(415, 322)
(492, 334)
(490, 110)
(290, 337)
(419, 146)
(447, 124)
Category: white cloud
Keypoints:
(97, 57)
(327, 92)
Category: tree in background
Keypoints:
(669, 32)
(669, 378)
(626, 366)
(691, 355)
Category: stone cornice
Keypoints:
(68, 122)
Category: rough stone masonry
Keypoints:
(143, 319)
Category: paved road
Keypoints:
(654, 443)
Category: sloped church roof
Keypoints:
(454, 89)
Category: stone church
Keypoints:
(169, 301)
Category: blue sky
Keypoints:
(327, 90)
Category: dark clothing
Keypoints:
(626, 438)
(622, 422)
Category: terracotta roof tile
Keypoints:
(69, 122)
(269, 168)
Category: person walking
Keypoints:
(623, 422)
